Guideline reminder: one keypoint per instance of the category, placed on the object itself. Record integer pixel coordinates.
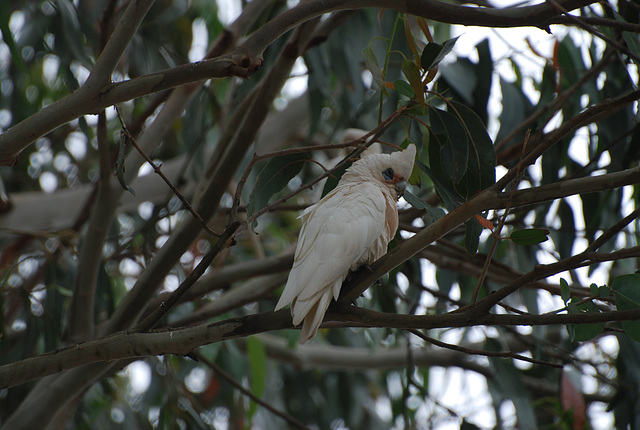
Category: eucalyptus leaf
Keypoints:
(583, 332)
(434, 53)
(454, 144)
(258, 366)
(273, 178)
(529, 236)
(626, 290)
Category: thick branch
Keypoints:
(134, 344)
(538, 16)
(118, 42)
(86, 101)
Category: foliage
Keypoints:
(513, 270)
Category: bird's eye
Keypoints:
(388, 174)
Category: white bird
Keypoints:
(350, 227)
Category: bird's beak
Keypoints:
(401, 187)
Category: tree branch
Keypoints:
(538, 16)
(182, 342)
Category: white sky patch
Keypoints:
(50, 66)
(197, 380)
(579, 147)
(48, 182)
(76, 144)
(463, 391)
(296, 85)
(199, 41)
(139, 374)
(16, 23)
(80, 72)
(228, 10)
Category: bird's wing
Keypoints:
(337, 232)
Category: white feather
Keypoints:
(349, 227)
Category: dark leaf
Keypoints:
(258, 366)
(434, 213)
(433, 53)
(626, 290)
(273, 178)
(403, 88)
(530, 236)
(449, 197)
(583, 332)
(411, 72)
(472, 232)
(565, 291)
(454, 145)
(481, 167)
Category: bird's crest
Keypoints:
(402, 161)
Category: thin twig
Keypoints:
(479, 352)
(238, 386)
(503, 219)
(613, 230)
(157, 170)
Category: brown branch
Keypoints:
(182, 342)
(166, 180)
(594, 20)
(538, 16)
(470, 351)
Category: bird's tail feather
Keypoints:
(314, 317)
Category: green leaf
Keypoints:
(429, 55)
(583, 332)
(433, 212)
(449, 197)
(403, 88)
(481, 165)
(529, 236)
(412, 73)
(604, 291)
(454, 145)
(626, 290)
(273, 178)
(371, 62)
(433, 53)
(472, 231)
(258, 366)
(565, 291)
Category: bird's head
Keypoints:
(393, 169)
